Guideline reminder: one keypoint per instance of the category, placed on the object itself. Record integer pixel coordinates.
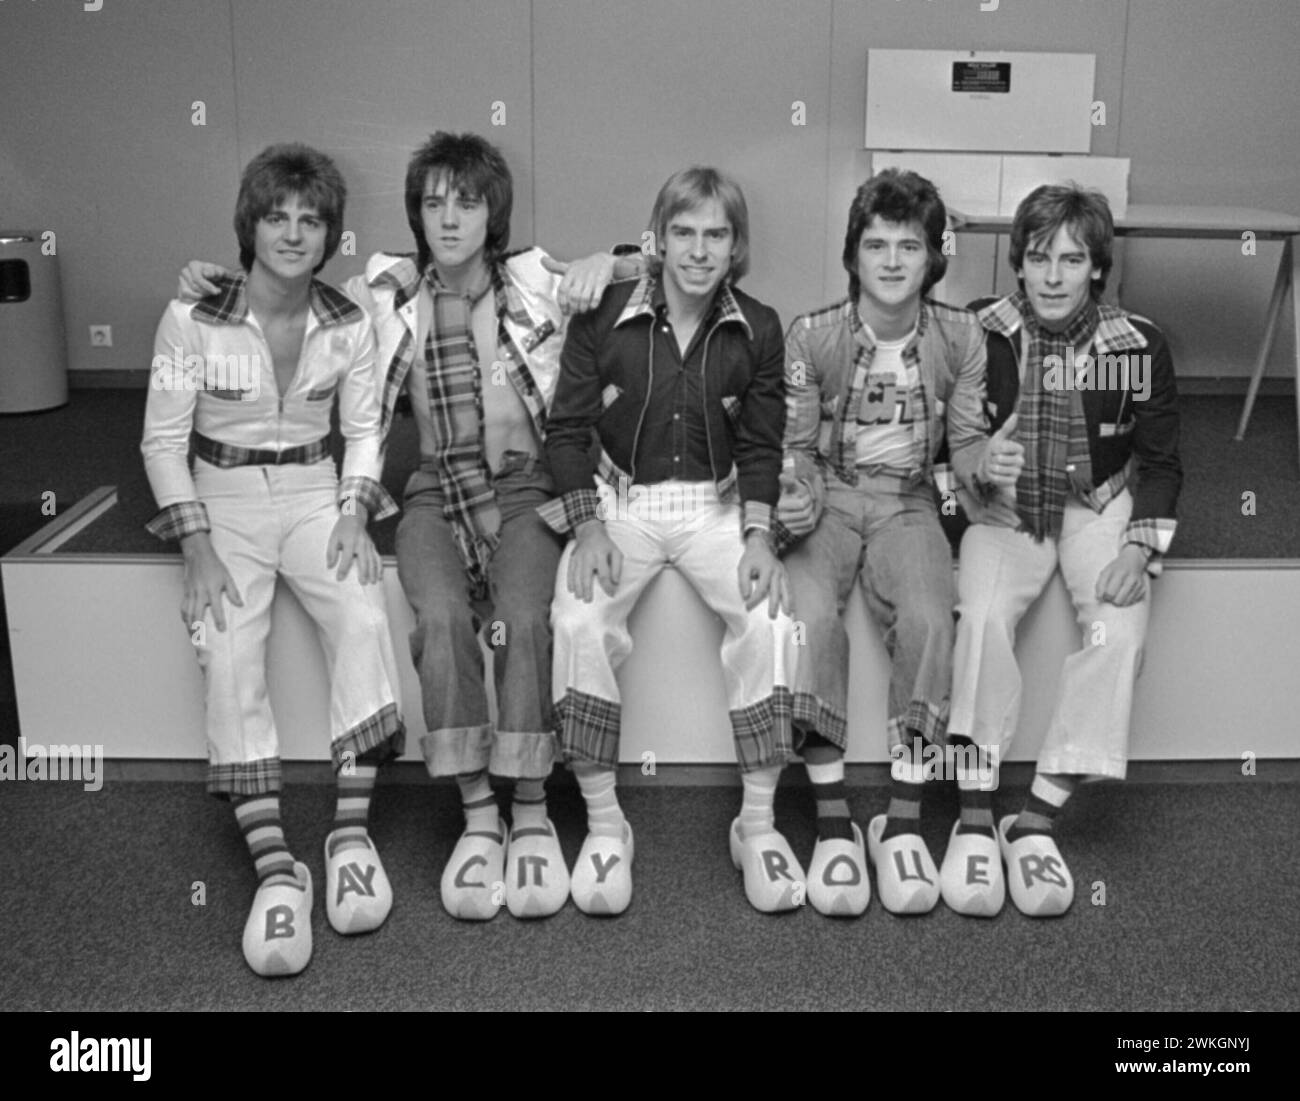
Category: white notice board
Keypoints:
(980, 101)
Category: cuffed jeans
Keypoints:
(270, 521)
(682, 525)
(1003, 571)
(445, 641)
(885, 534)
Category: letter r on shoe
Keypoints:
(775, 866)
(1046, 868)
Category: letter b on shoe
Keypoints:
(279, 922)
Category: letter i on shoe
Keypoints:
(277, 934)
(906, 877)
(537, 881)
(358, 896)
(774, 879)
(473, 882)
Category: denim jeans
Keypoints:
(884, 534)
(516, 625)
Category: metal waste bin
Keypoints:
(33, 349)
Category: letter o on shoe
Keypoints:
(358, 896)
(602, 874)
(838, 884)
(971, 878)
(1041, 884)
(906, 877)
(277, 934)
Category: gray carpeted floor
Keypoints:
(1201, 890)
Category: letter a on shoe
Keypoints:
(838, 884)
(358, 895)
(971, 877)
(473, 882)
(774, 879)
(277, 934)
(906, 876)
(1041, 884)
(537, 881)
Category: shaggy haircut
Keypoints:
(474, 168)
(272, 177)
(1049, 207)
(898, 196)
(688, 189)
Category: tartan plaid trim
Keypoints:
(645, 294)
(844, 444)
(228, 455)
(179, 520)
(922, 717)
(588, 728)
(757, 516)
(1115, 332)
(229, 306)
(370, 494)
(244, 777)
(1155, 533)
(813, 713)
(383, 728)
(563, 514)
(764, 731)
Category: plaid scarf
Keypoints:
(456, 412)
(1052, 425)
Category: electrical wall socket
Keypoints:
(101, 336)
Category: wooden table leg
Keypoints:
(1284, 276)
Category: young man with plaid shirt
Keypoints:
(883, 372)
(680, 377)
(1091, 391)
(472, 334)
(248, 376)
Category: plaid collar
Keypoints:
(648, 296)
(401, 275)
(229, 306)
(863, 335)
(404, 277)
(1115, 333)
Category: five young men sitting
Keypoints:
(666, 424)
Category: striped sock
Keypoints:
(906, 782)
(976, 803)
(604, 816)
(825, 764)
(259, 820)
(1047, 795)
(529, 808)
(352, 811)
(481, 815)
(756, 808)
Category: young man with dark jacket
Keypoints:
(1090, 391)
(680, 376)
